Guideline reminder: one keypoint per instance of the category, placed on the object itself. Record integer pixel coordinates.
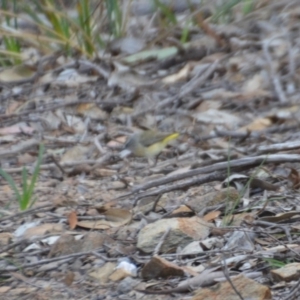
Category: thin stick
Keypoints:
(161, 241)
(225, 271)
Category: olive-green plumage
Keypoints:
(149, 143)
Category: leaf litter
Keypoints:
(217, 216)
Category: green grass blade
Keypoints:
(35, 174)
(84, 15)
(84, 18)
(184, 35)
(166, 11)
(4, 6)
(225, 10)
(248, 6)
(24, 179)
(11, 43)
(24, 197)
(274, 262)
(115, 16)
(31, 13)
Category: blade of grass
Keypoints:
(35, 174)
(9, 53)
(56, 20)
(24, 179)
(62, 30)
(184, 34)
(167, 12)
(274, 262)
(115, 16)
(225, 10)
(24, 201)
(43, 42)
(84, 14)
(229, 210)
(11, 43)
(248, 6)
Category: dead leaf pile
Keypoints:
(216, 217)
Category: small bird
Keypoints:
(149, 143)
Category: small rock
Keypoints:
(127, 284)
(248, 288)
(159, 267)
(224, 196)
(287, 273)
(241, 240)
(104, 172)
(117, 185)
(182, 232)
(102, 274)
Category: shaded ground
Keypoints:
(233, 95)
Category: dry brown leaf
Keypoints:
(118, 275)
(70, 78)
(212, 215)
(17, 128)
(108, 203)
(75, 153)
(214, 116)
(81, 108)
(181, 209)
(68, 244)
(42, 229)
(256, 83)
(262, 242)
(16, 292)
(76, 124)
(296, 227)
(258, 124)
(6, 188)
(240, 181)
(239, 218)
(118, 215)
(26, 158)
(4, 289)
(294, 178)
(53, 121)
(180, 170)
(117, 142)
(72, 219)
(16, 73)
(19, 276)
(228, 195)
(192, 248)
(92, 110)
(104, 172)
(280, 217)
(129, 80)
(180, 75)
(12, 107)
(5, 237)
(63, 200)
(69, 278)
(114, 217)
(128, 45)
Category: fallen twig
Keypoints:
(247, 162)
